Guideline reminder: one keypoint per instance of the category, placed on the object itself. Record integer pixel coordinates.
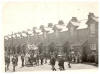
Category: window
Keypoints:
(93, 46)
(72, 30)
(92, 28)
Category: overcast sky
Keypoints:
(22, 16)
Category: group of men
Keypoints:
(61, 61)
(34, 59)
(30, 59)
(76, 58)
(8, 60)
(41, 58)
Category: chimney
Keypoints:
(74, 19)
(90, 15)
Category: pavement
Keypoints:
(47, 67)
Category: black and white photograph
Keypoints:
(52, 36)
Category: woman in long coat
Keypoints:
(52, 62)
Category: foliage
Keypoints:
(40, 47)
(23, 49)
(66, 47)
(52, 47)
(18, 49)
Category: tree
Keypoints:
(18, 49)
(9, 50)
(66, 48)
(84, 54)
(23, 48)
(13, 50)
(52, 47)
(40, 47)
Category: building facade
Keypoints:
(84, 40)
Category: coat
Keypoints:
(61, 62)
(52, 61)
(22, 58)
(14, 61)
(7, 60)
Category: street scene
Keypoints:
(60, 46)
(47, 67)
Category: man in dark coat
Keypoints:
(22, 59)
(69, 60)
(37, 60)
(61, 62)
(16, 59)
(52, 62)
(14, 62)
(7, 62)
(41, 58)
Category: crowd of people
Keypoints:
(11, 60)
(29, 60)
(61, 60)
(26, 60)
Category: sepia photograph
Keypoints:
(50, 36)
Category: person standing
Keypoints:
(37, 60)
(45, 59)
(61, 62)
(41, 58)
(22, 59)
(16, 59)
(7, 62)
(45, 56)
(14, 62)
(52, 63)
(69, 60)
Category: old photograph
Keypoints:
(50, 36)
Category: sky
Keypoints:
(19, 16)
